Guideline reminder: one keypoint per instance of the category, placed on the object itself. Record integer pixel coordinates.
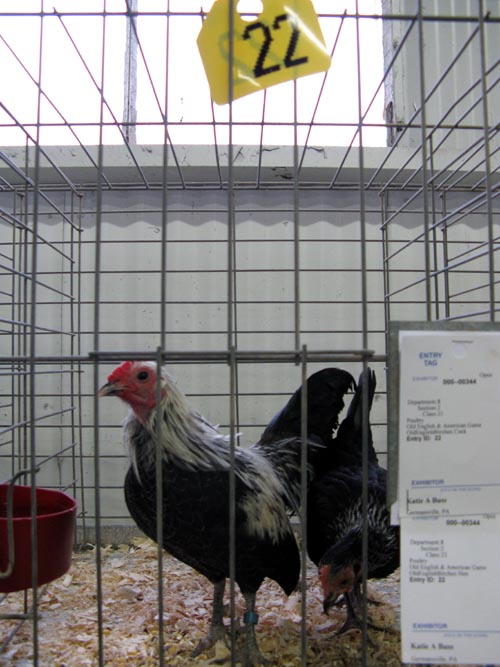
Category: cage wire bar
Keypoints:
(244, 266)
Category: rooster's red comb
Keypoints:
(121, 372)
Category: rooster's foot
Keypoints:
(254, 660)
(217, 633)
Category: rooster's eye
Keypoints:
(142, 376)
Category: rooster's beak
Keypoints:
(110, 389)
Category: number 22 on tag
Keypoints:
(283, 43)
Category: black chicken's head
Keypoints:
(339, 570)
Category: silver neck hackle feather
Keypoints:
(190, 442)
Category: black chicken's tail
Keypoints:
(281, 441)
(325, 393)
(347, 446)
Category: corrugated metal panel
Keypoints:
(459, 61)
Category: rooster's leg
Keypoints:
(217, 629)
(251, 657)
(352, 620)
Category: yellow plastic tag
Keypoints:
(283, 43)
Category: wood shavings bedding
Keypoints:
(68, 622)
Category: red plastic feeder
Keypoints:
(56, 513)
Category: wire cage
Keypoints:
(245, 245)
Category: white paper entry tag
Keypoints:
(450, 590)
(449, 447)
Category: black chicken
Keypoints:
(335, 516)
(195, 469)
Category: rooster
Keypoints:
(335, 516)
(195, 470)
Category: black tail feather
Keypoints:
(348, 444)
(281, 441)
(325, 392)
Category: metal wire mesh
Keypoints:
(269, 238)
